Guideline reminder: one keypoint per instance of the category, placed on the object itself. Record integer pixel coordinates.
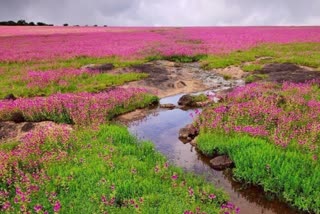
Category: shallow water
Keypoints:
(162, 128)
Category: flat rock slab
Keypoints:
(167, 78)
(221, 162)
(231, 71)
(288, 72)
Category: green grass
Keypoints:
(306, 54)
(255, 77)
(111, 156)
(75, 62)
(290, 174)
(82, 83)
(146, 100)
(199, 98)
(8, 146)
(12, 72)
(251, 67)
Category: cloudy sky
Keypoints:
(164, 12)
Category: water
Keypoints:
(162, 128)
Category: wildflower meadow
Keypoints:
(90, 163)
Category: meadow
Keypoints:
(272, 133)
(270, 130)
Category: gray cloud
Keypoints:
(164, 12)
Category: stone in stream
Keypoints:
(221, 162)
(200, 100)
(186, 100)
(168, 106)
(187, 133)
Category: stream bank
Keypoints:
(161, 126)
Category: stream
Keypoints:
(161, 126)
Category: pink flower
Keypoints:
(174, 176)
(6, 205)
(57, 207)
(212, 196)
(37, 208)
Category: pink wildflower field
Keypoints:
(268, 129)
(31, 43)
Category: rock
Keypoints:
(168, 106)
(221, 162)
(165, 63)
(10, 97)
(88, 67)
(27, 127)
(232, 72)
(287, 72)
(170, 85)
(7, 129)
(180, 84)
(186, 100)
(187, 133)
(101, 68)
(265, 58)
(17, 117)
(194, 142)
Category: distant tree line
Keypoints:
(23, 23)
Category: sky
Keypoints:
(164, 12)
